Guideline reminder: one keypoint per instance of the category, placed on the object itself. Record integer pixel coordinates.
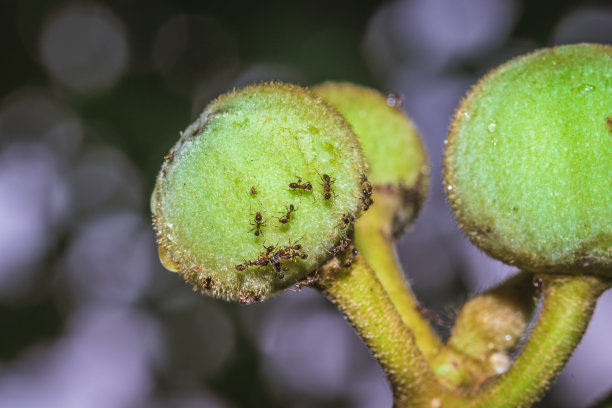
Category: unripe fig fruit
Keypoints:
(257, 192)
(528, 165)
(391, 144)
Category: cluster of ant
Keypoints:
(343, 245)
(327, 182)
(274, 256)
(345, 241)
(366, 193)
(258, 221)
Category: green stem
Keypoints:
(373, 238)
(359, 295)
(567, 306)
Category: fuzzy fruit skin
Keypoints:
(394, 151)
(528, 163)
(239, 159)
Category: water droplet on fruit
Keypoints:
(586, 89)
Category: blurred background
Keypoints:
(94, 93)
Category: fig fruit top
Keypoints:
(255, 194)
(528, 164)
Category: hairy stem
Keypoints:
(359, 295)
(567, 306)
(373, 237)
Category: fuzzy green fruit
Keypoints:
(528, 166)
(226, 212)
(391, 144)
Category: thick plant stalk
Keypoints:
(360, 297)
(568, 302)
(567, 307)
(373, 237)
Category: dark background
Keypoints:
(93, 95)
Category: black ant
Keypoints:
(277, 266)
(302, 187)
(292, 251)
(351, 256)
(366, 194)
(366, 201)
(262, 259)
(274, 257)
(347, 219)
(306, 282)
(289, 253)
(342, 245)
(287, 217)
(246, 264)
(294, 247)
(257, 224)
(327, 183)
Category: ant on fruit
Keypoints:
(291, 251)
(257, 224)
(327, 183)
(274, 256)
(366, 193)
(344, 243)
(299, 186)
(287, 217)
(345, 222)
(306, 282)
(262, 260)
(295, 246)
(349, 261)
